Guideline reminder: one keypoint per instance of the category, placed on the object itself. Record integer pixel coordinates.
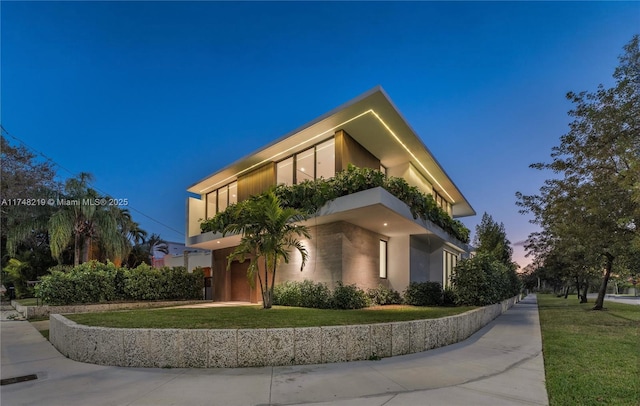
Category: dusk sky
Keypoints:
(151, 97)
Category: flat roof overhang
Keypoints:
(375, 209)
(374, 122)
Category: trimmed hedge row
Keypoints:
(318, 295)
(95, 282)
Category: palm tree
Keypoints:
(83, 224)
(130, 233)
(268, 231)
(143, 251)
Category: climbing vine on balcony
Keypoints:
(310, 196)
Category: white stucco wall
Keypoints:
(398, 254)
(420, 261)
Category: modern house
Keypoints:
(367, 238)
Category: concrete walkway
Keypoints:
(499, 365)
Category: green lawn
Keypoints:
(32, 301)
(590, 357)
(256, 317)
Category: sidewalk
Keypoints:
(499, 365)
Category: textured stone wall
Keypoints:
(325, 257)
(30, 312)
(260, 347)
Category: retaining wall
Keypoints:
(30, 312)
(261, 347)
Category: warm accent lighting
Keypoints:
(286, 151)
(411, 153)
(324, 133)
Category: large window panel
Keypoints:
(233, 193)
(284, 172)
(223, 194)
(326, 160)
(383, 259)
(305, 166)
(449, 262)
(212, 200)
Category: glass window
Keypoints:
(211, 203)
(305, 165)
(383, 259)
(326, 160)
(222, 198)
(233, 193)
(284, 172)
(449, 262)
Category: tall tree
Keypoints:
(594, 200)
(82, 225)
(269, 232)
(26, 185)
(491, 238)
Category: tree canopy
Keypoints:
(491, 238)
(591, 207)
(45, 221)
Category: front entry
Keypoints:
(208, 288)
(240, 288)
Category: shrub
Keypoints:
(349, 297)
(315, 294)
(302, 294)
(94, 282)
(384, 296)
(144, 283)
(482, 280)
(449, 297)
(56, 289)
(423, 294)
(287, 294)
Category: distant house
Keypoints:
(367, 238)
(180, 255)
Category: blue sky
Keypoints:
(151, 97)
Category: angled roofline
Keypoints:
(372, 110)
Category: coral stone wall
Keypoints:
(246, 347)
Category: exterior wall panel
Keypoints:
(360, 257)
(256, 181)
(348, 151)
(324, 263)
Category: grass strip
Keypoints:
(32, 301)
(590, 357)
(256, 317)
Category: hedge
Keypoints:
(95, 282)
(318, 295)
(482, 280)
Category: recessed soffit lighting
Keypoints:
(331, 130)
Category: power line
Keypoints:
(54, 163)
